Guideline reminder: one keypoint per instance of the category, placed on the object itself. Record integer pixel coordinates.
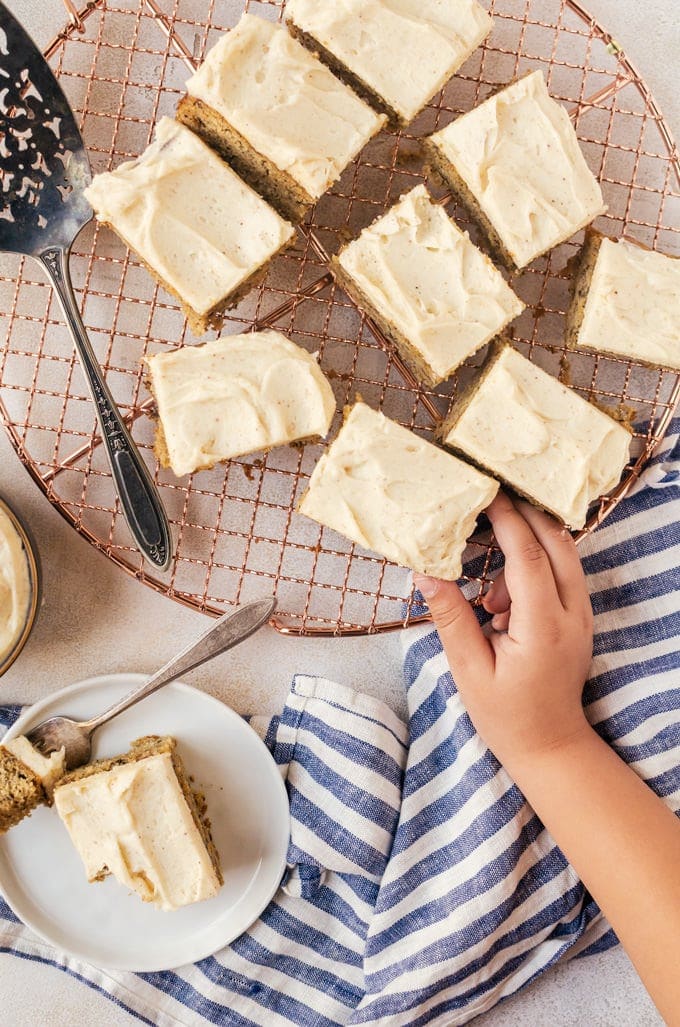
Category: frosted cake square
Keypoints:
(626, 302)
(395, 55)
(205, 235)
(515, 163)
(537, 436)
(277, 114)
(426, 285)
(392, 492)
(236, 395)
(136, 817)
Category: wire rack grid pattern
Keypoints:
(123, 65)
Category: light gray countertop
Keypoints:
(95, 619)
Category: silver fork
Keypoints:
(76, 736)
(44, 171)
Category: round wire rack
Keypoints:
(123, 64)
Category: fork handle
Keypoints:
(139, 498)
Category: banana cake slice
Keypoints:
(426, 285)
(396, 55)
(626, 302)
(205, 235)
(539, 437)
(516, 164)
(277, 114)
(234, 396)
(392, 492)
(136, 817)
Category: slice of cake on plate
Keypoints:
(515, 163)
(390, 491)
(626, 302)
(27, 779)
(430, 290)
(236, 395)
(136, 817)
(396, 55)
(205, 235)
(277, 114)
(551, 446)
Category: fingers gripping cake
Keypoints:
(136, 817)
(277, 114)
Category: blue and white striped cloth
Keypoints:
(424, 887)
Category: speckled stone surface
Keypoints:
(95, 619)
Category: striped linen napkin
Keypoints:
(423, 889)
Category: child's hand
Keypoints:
(522, 688)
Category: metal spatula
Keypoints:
(43, 171)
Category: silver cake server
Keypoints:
(44, 170)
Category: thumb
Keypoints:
(467, 650)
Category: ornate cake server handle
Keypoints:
(136, 490)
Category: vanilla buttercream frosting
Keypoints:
(48, 768)
(541, 438)
(237, 395)
(392, 492)
(133, 821)
(519, 155)
(284, 102)
(15, 586)
(403, 50)
(425, 275)
(189, 217)
(633, 305)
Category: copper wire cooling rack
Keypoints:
(123, 64)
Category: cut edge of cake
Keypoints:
(21, 790)
(281, 190)
(346, 75)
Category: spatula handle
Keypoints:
(138, 495)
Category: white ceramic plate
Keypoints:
(42, 877)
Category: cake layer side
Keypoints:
(580, 285)
(539, 437)
(234, 396)
(395, 494)
(277, 187)
(21, 790)
(352, 80)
